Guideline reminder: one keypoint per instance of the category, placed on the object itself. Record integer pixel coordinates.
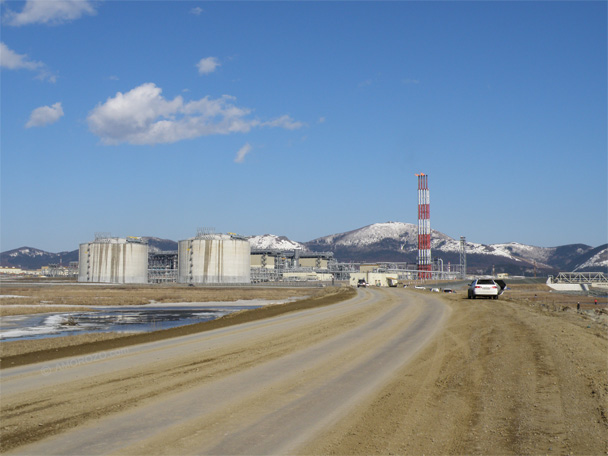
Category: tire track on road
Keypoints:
(382, 319)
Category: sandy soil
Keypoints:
(505, 377)
(502, 377)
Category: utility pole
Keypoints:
(463, 257)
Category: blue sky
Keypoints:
(302, 119)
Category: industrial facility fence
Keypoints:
(265, 284)
(289, 276)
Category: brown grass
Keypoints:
(22, 310)
(126, 295)
(17, 353)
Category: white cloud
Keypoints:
(285, 122)
(240, 155)
(45, 115)
(51, 12)
(207, 65)
(13, 61)
(144, 116)
(196, 11)
(10, 60)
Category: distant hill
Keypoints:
(593, 260)
(271, 241)
(31, 258)
(397, 242)
(388, 242)
(160, 245)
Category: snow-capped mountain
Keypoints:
(406, 234)
(597, 260)
(397, 242)
(371, 234)
(31, 258)
(26, 251)
(388, 242)
(271, 241)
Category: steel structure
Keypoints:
(463, 257)
(290, 258)
(424, 228)
(162, 267)
(579, 277)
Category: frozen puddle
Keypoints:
(151, 317)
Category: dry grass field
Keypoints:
(58, 297)
(85, 343)
(539, 298)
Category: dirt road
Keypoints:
(388, 372)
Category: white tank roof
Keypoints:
(117, 240)
(216, 237)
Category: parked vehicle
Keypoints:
(392, 282)
(486, 287)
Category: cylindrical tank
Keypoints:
(113, 260)
(217, 258)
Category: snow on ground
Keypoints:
(372, 234)
(599, 261)
(271, 241)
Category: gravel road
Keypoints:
(265, 387)
(391, 371)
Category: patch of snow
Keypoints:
(599, 261)
(28, 252)
(271, 241)
(372, 234)
(530, 252)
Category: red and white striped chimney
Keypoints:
(424, 227)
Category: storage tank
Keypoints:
(114, 260)
(214, 258)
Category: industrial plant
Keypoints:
(113, 260)
(211, 258)
(214, 258)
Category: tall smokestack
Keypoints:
(424, 227)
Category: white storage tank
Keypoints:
(114, 260)
(214, 258)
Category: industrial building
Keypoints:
(113, 260)
(210, 258)
(291, 259)
(376, 279)
(213, 259)
(296, 265)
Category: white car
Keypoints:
(486, 287)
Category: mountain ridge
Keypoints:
(388, 242)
